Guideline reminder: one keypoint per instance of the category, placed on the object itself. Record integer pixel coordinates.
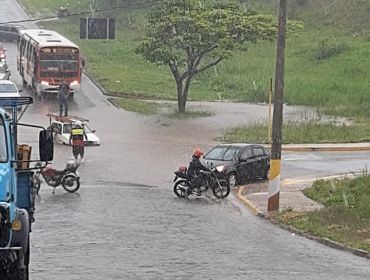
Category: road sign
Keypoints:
(97, 28)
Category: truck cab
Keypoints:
(17, 204)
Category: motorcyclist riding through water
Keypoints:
(198, 179)
(195, 166)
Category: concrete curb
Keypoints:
(342, 147)
(248, 203)
(326, 241)
(323, 240)
(112, 102)
(102, 90)
(19, 3)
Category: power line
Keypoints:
(81, 13)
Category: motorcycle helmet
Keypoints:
(78, 124)
(71, 164)
(197, 153)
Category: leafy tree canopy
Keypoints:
(191, 36)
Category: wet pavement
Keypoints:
(125, 222)
(139, 232)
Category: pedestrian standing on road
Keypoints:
(63, 94)
(76, 138)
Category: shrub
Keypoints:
(327, 49)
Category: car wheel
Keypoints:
(232, 180)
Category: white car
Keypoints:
(9, 89)
(62, 131)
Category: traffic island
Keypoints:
(291, 197)
(332, 212)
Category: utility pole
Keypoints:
(275, 165)
(269, 132)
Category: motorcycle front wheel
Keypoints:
(180, 187)
(71, 183)
(221, 189)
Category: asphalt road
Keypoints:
(125, 222)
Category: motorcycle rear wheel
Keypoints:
(71, 183)
(179, 188)
(222, 189)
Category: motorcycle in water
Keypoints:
(211, 179)
(68, 177)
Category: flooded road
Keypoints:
(125, 222)
(118, 231)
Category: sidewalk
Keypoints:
(291, 197)
(340, 147)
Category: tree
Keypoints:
(191, 36)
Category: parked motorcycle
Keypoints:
(212, 179)
(68, 177)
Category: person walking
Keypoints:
(76, 138)
(63, 94)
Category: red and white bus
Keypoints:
(46, 59)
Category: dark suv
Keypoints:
(243, 162)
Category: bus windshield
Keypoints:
(64, 61)
(58, 65)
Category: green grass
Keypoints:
(346, 216)
(43, 8)
(164, 110)
(298, 132)
(189, 114)
(138, 106)
(339, 84)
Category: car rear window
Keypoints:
(67, 128)
(8, 88)
(222, 153)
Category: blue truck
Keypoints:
(17, 204)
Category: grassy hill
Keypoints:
(327, 62)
